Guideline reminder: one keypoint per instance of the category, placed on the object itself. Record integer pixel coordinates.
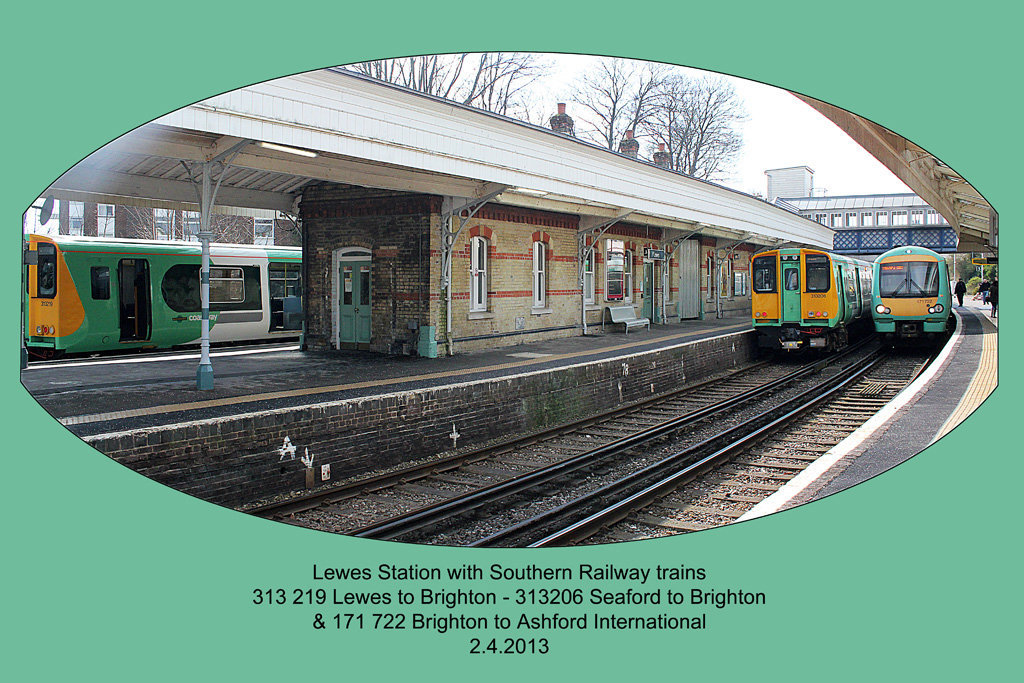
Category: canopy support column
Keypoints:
(584, 251)
(448, 238)
(207, 192)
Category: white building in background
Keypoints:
(867, 224)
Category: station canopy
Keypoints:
(970, 215)
(274, 138)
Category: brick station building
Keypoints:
(373, 262)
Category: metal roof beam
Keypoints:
(86, 180)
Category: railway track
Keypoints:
(396, 504)
(723, 486)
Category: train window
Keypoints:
(285, 280)
(908, 279)
(100, 276)
(817, 273)
(764, 274)
(231, 289)
(851, 285)
(792, 276)
(46, 271)
(180, 288)
(226, 285)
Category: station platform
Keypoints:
(956, 383)
(139, 392)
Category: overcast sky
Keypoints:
(780, 131)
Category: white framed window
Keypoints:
(163, 220)
(539, 275)
(899, 217)
(615, 258)
(588, 278)
(76, 214)
(478, 274)
(627, 276)
(709, 276)
(726, 285)
(191, 222)
(851, 219)
(934, 218)
(867, 220)
(883, 219)
(105, 220)
(263, 231)
(739, 284)
(836, 220)
(917, 217)
(821, 218)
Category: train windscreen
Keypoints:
(46, 270)
(908, 279)
(764, 274)
(817, 273)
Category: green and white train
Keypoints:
(88, 294)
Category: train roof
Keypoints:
(70, 242)
(796, 250)
(917, 251)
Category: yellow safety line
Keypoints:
(291, 393)
(982, 384)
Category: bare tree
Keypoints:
(617, 95)
(696, 119)
(495, 81)
(165, 224)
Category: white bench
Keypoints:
(626, 316)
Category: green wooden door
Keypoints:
(355, 308)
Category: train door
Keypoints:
(791, 291)
(355, 302)
(841, 292)
(134, 300)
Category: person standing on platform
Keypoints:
(983, 290)
(960, 290)
(993, 295)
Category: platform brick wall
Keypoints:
(398, 228)
(232, 461)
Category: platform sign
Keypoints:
(986, 261)
(654, 254)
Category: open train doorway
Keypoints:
(136, 310)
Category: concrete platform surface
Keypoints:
(96, 396)
(960, 382)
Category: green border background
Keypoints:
(109, 576)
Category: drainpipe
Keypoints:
(448, 291)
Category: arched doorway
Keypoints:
(353, 298)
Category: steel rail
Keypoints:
(429, 515)
(619, 510)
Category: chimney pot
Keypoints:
(662, 158)
(629, 146)
(562, 122)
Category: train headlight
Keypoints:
(938, 308)
(39, 329)
(880, 308)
